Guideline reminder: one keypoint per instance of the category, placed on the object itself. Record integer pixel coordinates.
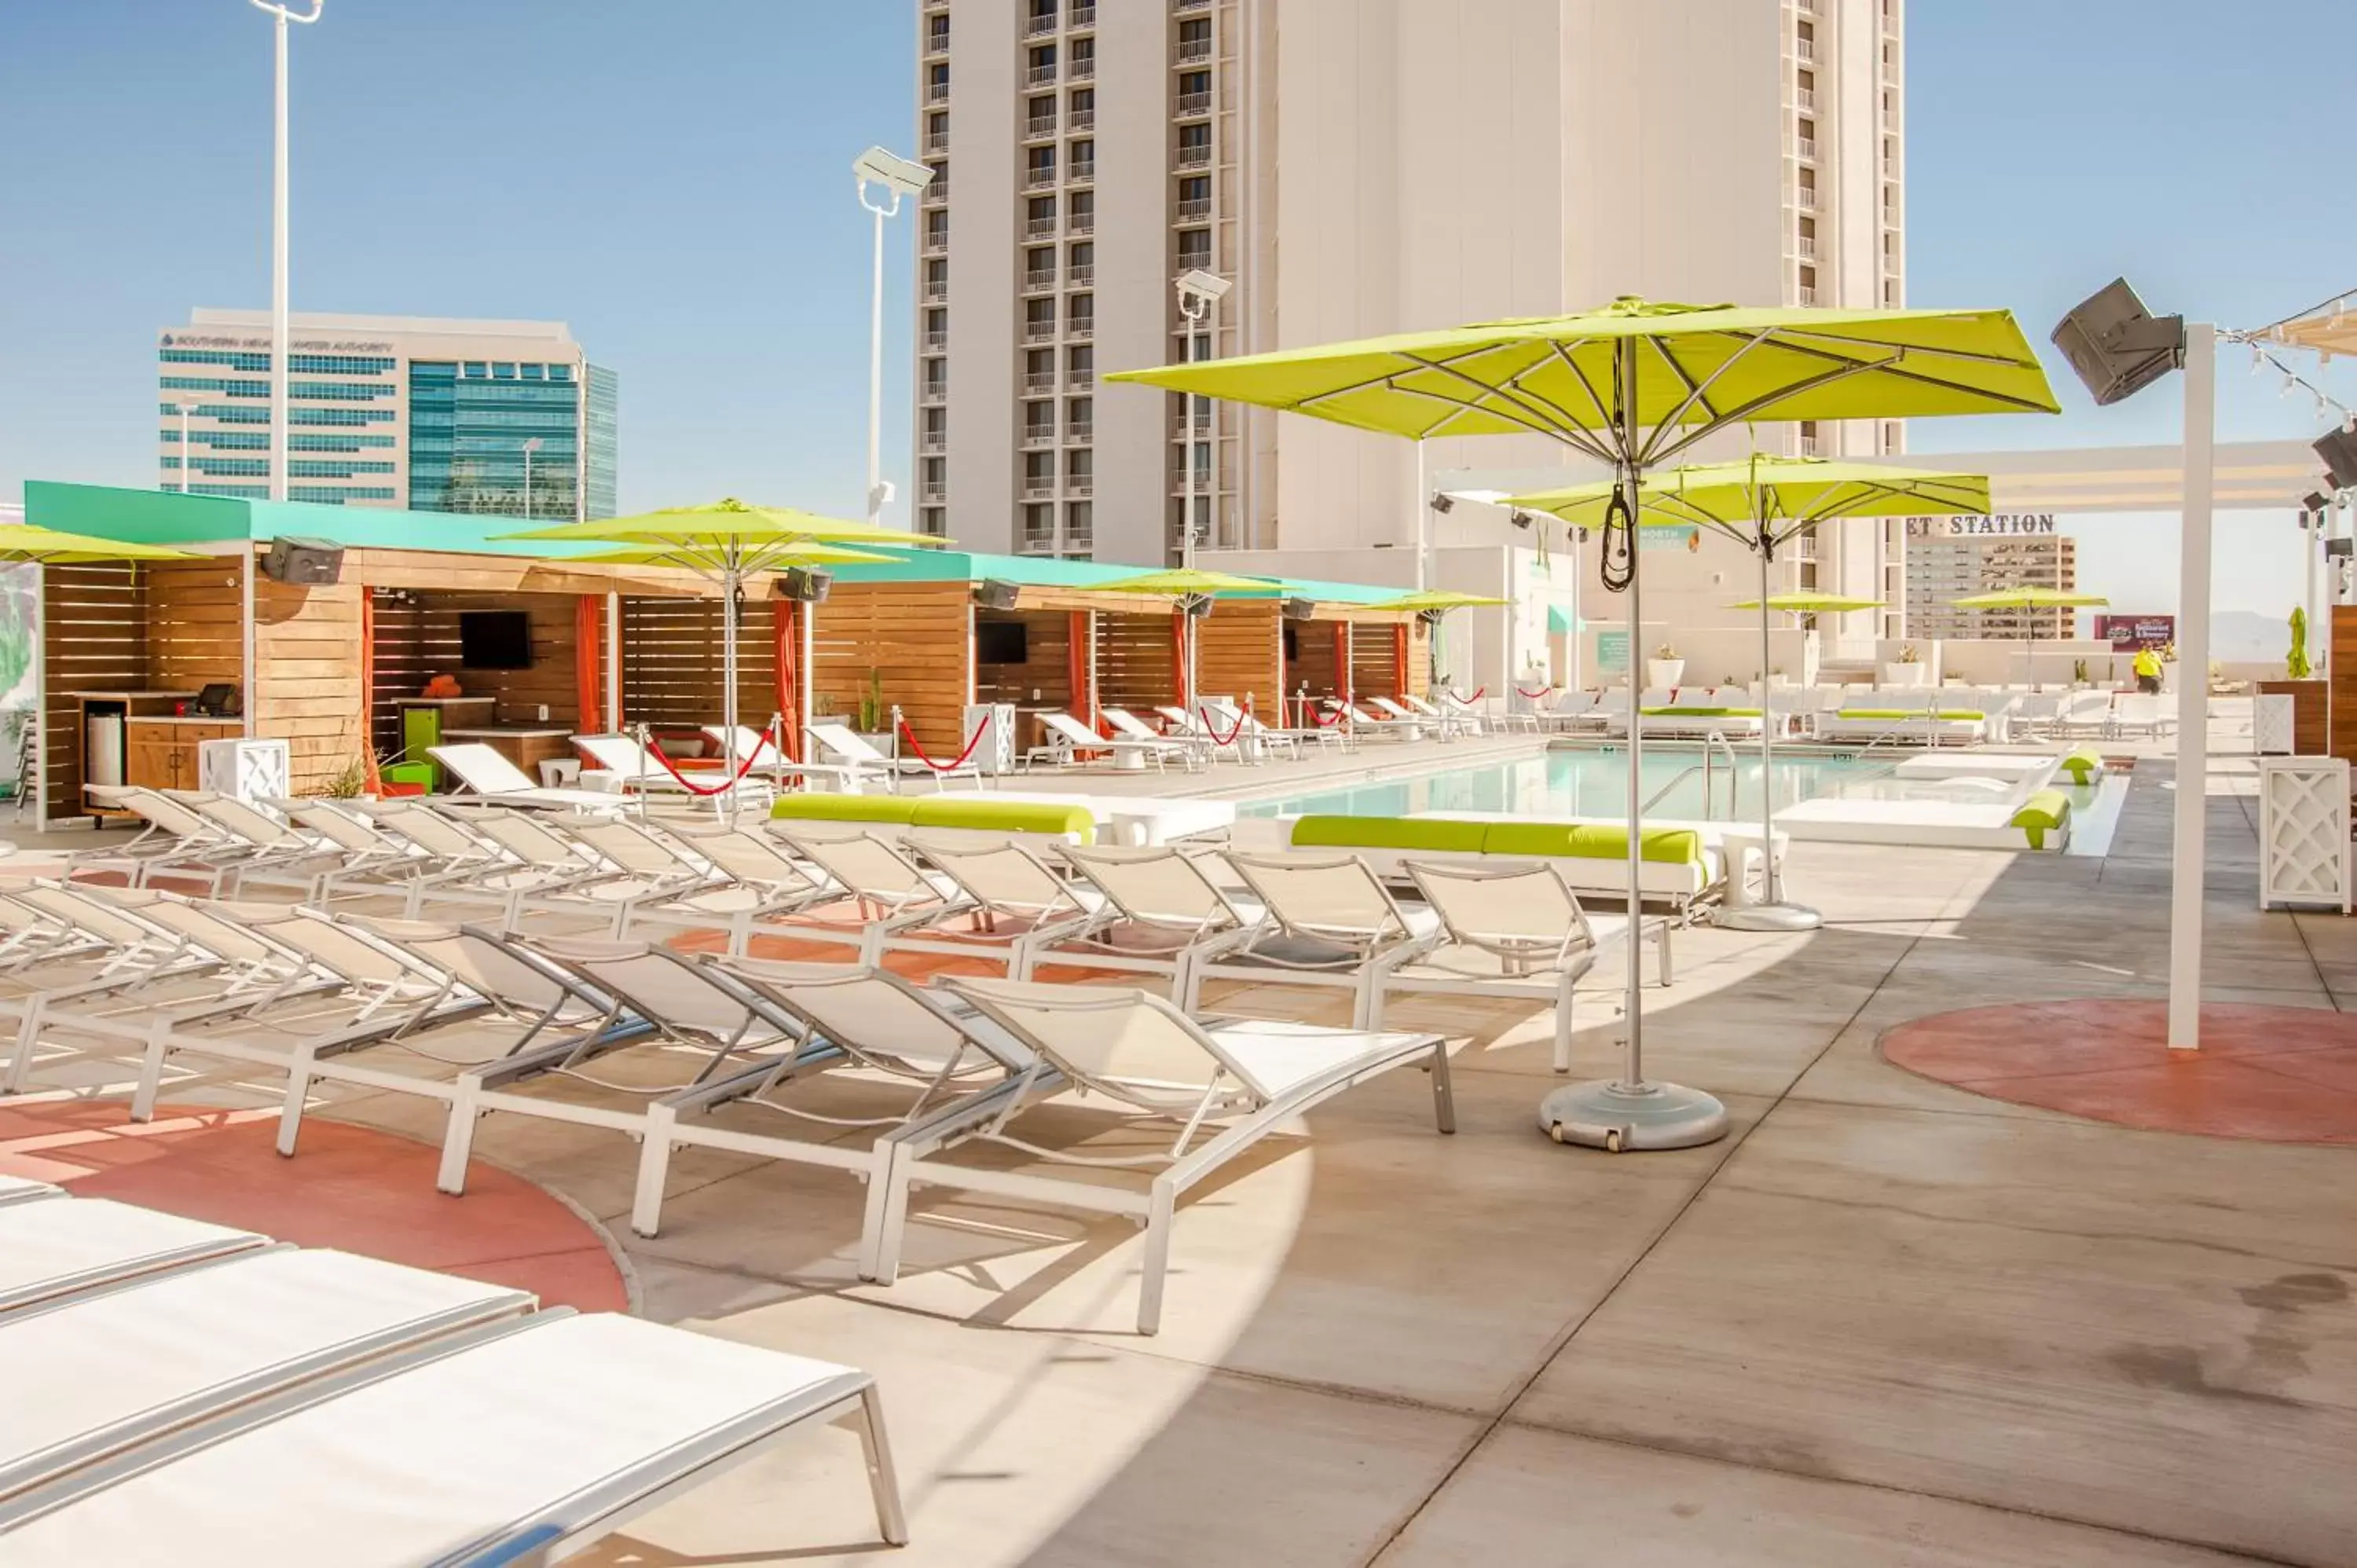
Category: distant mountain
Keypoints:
(2242, 636)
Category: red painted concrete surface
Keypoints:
(350, 1187)
(2276, 1074)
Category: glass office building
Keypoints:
(428, 414)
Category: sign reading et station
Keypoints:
(2018, 523)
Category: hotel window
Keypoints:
(1081, 365)
(1043, 15)
(1082, 258)
(1038, 470)
(1080, 417)
(1083, 106)
(1081, 315)
(1084, 57)
(1194, 248)
(1079, 524)
(1040, 165)
(937, 229)
(936, 81)
(1080, 466)
(1038, 423)
(1039, 318)
(1043, 63)
(1085, 211)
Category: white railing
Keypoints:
(1039, 125)
(1040, 75)
(1191, 50)
(1039, 278)
(1191, 104)
(1194, 157)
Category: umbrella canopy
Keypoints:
(1632, 384)
(1769, 497)
(774, 560)
(1809, 604)
(26, 542)
(1188, 582)
(2028, 599)
(1437, 601)
(1699, 367)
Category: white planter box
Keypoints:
(2303, 832)
(1665, 672)
(1906, 675)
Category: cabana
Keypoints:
(939, 631)
(141, 663)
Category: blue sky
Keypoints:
(672, 179)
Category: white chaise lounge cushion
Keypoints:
(450, 1459)
(97, 1375)
(51, 1249)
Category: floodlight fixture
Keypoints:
(1206, 288)
(900, 176)
(2115, 346)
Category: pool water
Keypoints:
(1594, 782)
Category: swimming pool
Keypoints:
(1593, 782)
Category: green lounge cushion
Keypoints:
(1958, 714)
(1439, 835)
(827, 806)
(1593, 841)
(2082, 764)
(1677, 712)
(2045, 810)
(1005, 817)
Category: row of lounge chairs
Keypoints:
(563, 989)
(192, 1394)
(1859, 714)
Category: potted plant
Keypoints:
(1907, 669)
(1665, 669)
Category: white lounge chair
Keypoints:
(1456, 717)
(100, 1376)
(1069, 741)
(1514, 931)
(1330, 922)
(1136, 1056)
(862, 762)
(540, 1433)
(485, 770)
(631, 767)
(890, 893)
(1161, 913)
(758, 881)
(1131, 727)
(23, 1189)
(2141, 713)
(1364, 720)
(55, 1250)
(1018, 907)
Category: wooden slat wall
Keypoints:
(1136, 665)
(917, 638)
(1047, 670)
(307, 678)
(1312, 665)
(195, 616)
(1241, 653)
(2341, 677)
(93, 639)
(672, 660)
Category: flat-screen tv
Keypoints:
(1001, 642)
(494, 640)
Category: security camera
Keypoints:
(1443, 502)
(1521, 519)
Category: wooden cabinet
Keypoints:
(161, 754)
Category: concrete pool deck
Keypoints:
(1887, 1321)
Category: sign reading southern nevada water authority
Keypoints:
(1612, 650)
(2010, 522)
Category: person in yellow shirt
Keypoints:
(2147, 671)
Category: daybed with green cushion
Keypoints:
(2046, 810)
(1675, 711)
(1953, 714)
(1679, 863)
(1961, 725)
(949, 813)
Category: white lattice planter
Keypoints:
(2271, 724)
(2303, 832)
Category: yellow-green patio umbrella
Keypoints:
(2029, 598)
(1762, 502)
(725, 542)
(1437, 601)
(1632, 384)
(1809, 604)
(26, 542)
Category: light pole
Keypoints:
(1200, 294)
(529, 448)
(896, 177)
(188, 405)
(278, 331)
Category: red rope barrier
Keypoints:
(1534, 696)
(1326, 721)
(1213, 730)
(916, 746)
(768, 737)
(1475, 697)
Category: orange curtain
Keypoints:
(1178, 629)
(1342, 659)
(1079, 656)
(1399, 660)
(368, 684)
(789, 665)
(589, 648)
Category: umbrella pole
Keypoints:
(1627, 1112)
(728, 682)
(1771, 913)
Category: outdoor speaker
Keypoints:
(1301, 609)
(312, 563)
(996, 594)
(2338, 549)
(2116, 346)
(807, 584)
(2338, 450)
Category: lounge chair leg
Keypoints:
(1444, 1092)
(458, 1144)
(1160, 1202)
(1565, 1027)
(1662, 952)
(290, 1113)
(151, 1073)
(655, 1164)
(891, 1221)
(884, 1161)
(28, 1033)
(882, 1479)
